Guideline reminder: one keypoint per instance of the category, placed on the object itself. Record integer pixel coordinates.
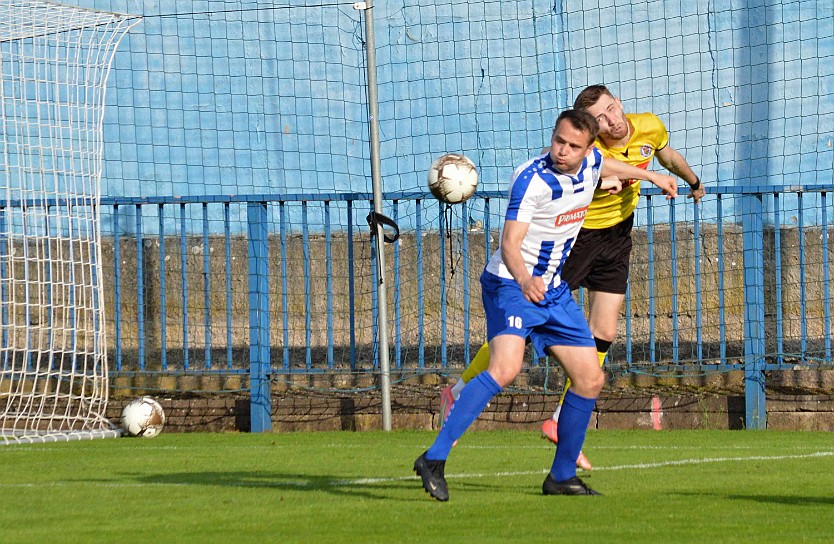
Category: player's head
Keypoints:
(606, 109)
(572, 139)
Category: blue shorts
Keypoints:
(555, 321)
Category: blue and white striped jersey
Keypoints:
(554, 204)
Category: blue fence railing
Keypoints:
(179, 302)
(178, 296)
(270, 285)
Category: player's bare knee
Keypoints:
(604, 333)
(589, 384)
(502, 375)
(597, 383)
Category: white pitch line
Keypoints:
(300, 484)
(719, 460)
(549, 446)
(638, 466)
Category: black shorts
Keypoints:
(599, 259)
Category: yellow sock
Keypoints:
(479, 363)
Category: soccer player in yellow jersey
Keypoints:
(599, 260)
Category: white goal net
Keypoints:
(54, 62)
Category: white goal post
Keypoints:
(54, 63)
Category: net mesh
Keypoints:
(54, 62)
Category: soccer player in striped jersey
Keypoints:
(600, 258)
(525, 297)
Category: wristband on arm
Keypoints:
(697, 185)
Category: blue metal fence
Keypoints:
(185, 306)
(741, 281)
(272, 285)
(300, 323)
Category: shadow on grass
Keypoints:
(784, 499)
(358, 487)
(791, 500)
(379, 488)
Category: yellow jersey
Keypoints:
(648, 137)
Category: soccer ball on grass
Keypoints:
(453, 178)
(143, 417)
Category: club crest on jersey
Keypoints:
(574, 216)
(646, 150)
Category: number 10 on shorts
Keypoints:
(514, 321)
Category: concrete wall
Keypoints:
(795, 401)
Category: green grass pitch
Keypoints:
(670, 486)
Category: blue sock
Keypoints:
(472, 401)
(573, 424)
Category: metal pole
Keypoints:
(260, 411)
(755, 400)
(376, 177)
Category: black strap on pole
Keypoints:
(375, 219)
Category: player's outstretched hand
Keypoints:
(697, 194)
(667, 184)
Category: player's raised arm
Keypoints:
(673, 161)
(619, 169)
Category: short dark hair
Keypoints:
(589, 96)
(580, 120)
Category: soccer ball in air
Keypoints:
(143, 417)
(453, 178)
